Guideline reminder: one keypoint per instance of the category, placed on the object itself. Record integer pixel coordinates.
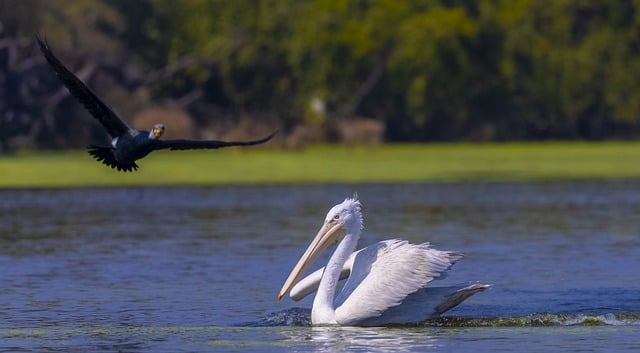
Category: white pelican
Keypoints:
(386, 281)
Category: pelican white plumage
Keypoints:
(386, 281)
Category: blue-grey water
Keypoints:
(197, 269)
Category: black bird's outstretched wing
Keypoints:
(205, 144)
(111, 122)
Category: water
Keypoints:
(170, 269)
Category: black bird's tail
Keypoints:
(105, 155)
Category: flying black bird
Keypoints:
(127, 144)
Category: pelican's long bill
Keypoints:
(329, 234)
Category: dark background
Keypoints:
(325, 71)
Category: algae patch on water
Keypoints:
(537, 320)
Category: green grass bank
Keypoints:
(396, 163)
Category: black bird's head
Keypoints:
(157, 131)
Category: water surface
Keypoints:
(198, 269)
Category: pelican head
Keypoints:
(343, 218)
(157, 131)
(347, 214)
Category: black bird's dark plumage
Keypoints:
(129, 144)
(105, 155)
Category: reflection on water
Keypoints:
(349, 339)
(193, 269)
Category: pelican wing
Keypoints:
(384, 274)
(109, 120)
(425, 303)
(181, 144)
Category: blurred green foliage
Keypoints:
(429, 69)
